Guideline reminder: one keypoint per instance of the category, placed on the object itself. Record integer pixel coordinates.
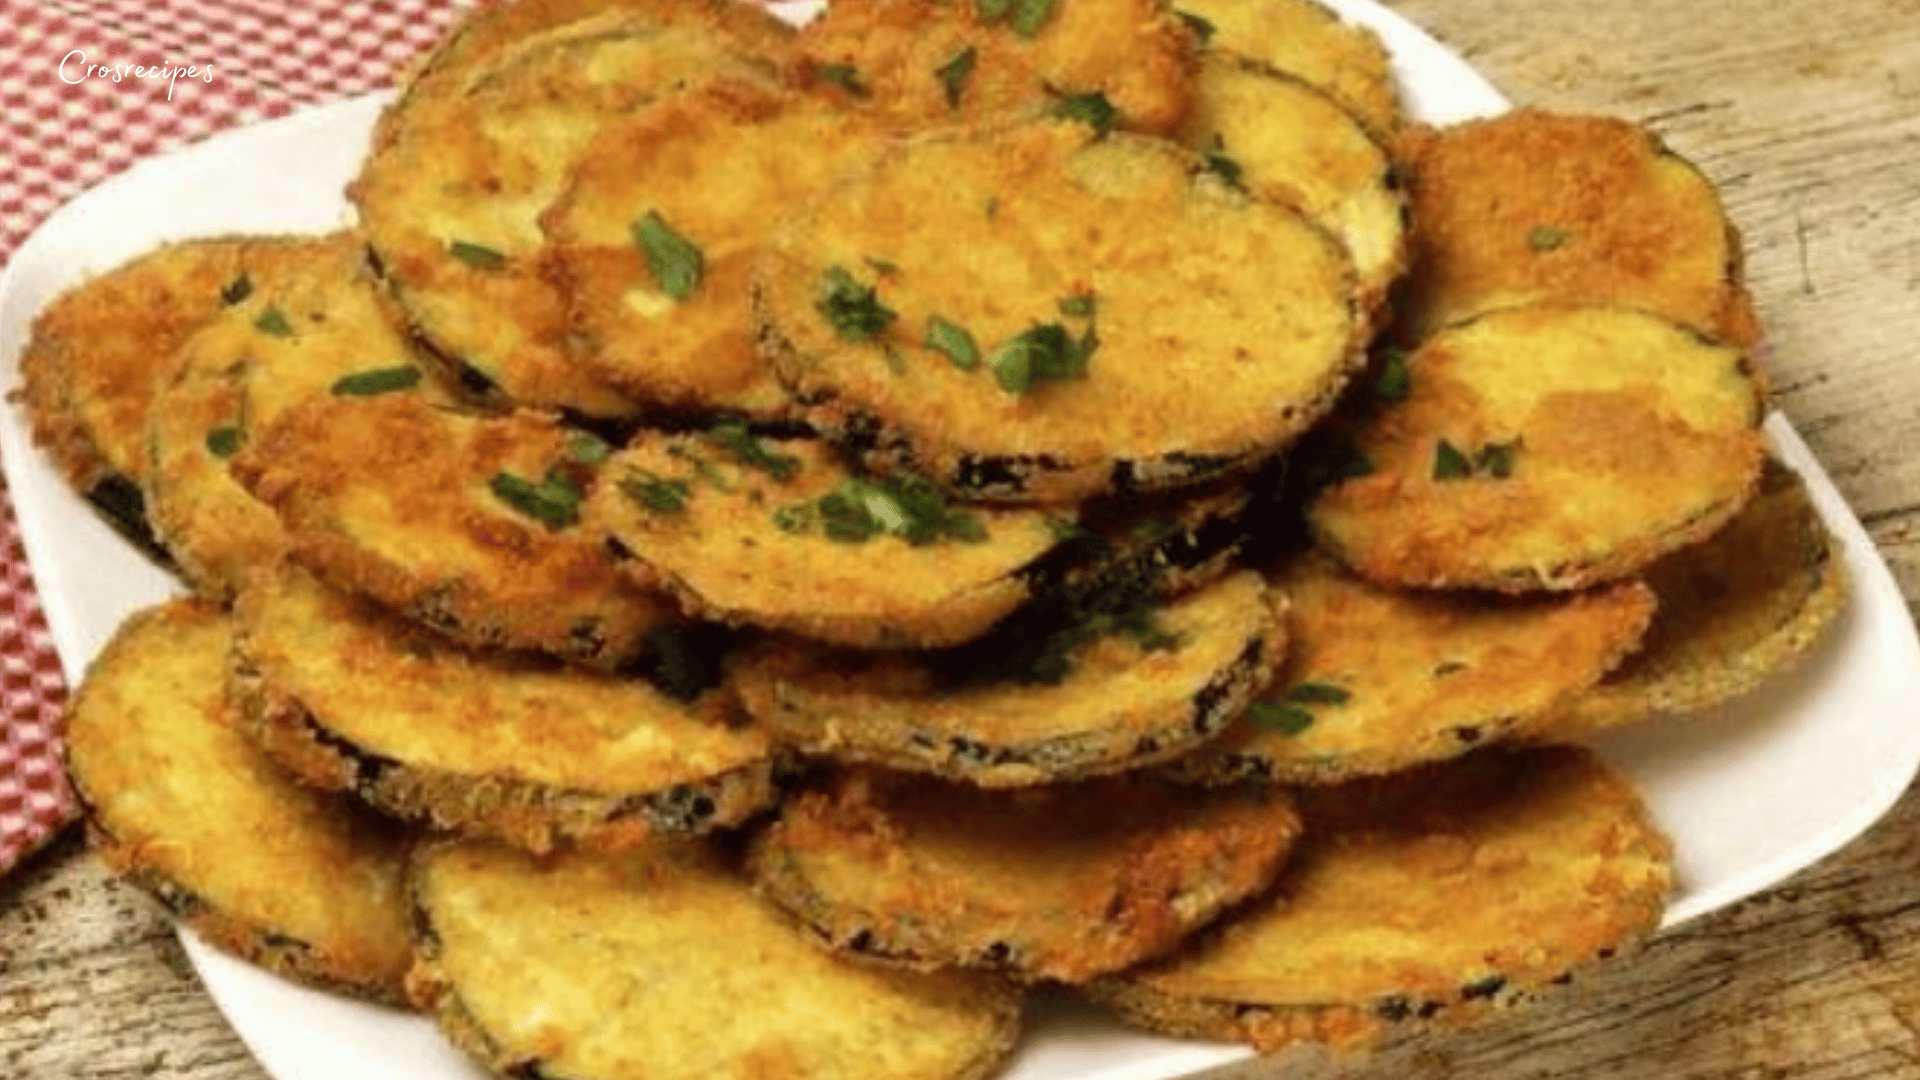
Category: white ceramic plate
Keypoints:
(1750, 793)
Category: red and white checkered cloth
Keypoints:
(61, 132)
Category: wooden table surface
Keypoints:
(1807, 113)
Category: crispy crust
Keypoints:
(1063, 882)
(726, 556)
(1123, 705)
(305, 884)
(1309, 41)
(392, 497)
(662, 962)
(1443, 893)
(1622, 436)
(1195, 370)
(348, 696)
(1425, 676)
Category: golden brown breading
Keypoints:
(1533, 205)
(662, 963)
(349, 696)
(653, 237)
(1441, 892)
(778, 533)
(1378, 680)
(928, 63)
(464, 162)
(179, 802)
(1062, 882)
(464, 522)
(1734, 609)
(1309, 41)
(1547, 447)
(312, 318)
(1037, 313)
(1110, 691)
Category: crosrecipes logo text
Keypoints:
(75, 69)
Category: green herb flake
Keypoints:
(237, 290)
(953, 75)
(674, 261)
(377, 381)
(554, 501)
(853, 309)
(1030, 15)
(740, 443)
(1223, 165)
(1092, 109)
(859, 509)
(224, 442)
(1281, 716)
(846, 77)
(1202, 29)
(994, 10)
(478, 256)
(586, 448)
(1496, 459)
(952, 341)
(1319, 693)
(1079, 306)
(1544, 238)
(273, 321)
(1449, 463)
(655, 494)
(1394, 379)
(1044, 351)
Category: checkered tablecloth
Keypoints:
(64, 126)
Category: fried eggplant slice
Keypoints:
(465, 160)
(179, 802)
(312, 323)
(1547, 447)
(349, 696)
(1308, 40)
(1734, 609)
(1113, 690)
(663, 963)
(97, 353)
(468, 523)
(1440, 893)
(1077, 314)
(1534, 205)
(1379, 680)
(1064, 882)
(777, 533)
(1280, 138)
(929, 63)
(654, 237)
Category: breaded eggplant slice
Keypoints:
(1063, 882)
(1163, 545)
(467, 523)
(1115, 691)
(349, 696)
(1734, 609)
(655, 234)
(1547, 447)
(1534, 205)
(1280, 138)
(463, 163)
(1378, 680)
(1040, 313)
(930, 63)
(1310, 41)
(1439, 893)
(98, 352)
(778, 533)
(663, 963)
(313, 323)
(179, 802)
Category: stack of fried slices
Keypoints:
(764, 546)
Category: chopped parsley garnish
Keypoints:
(854, 310)
(846, 77)
(1079, 305)
(1394, 379)
(1092, 109)
(953, 75)
(1221, 164)
(1492, 459)
(674, 261)
(1449, 463)
(586, 448)
(952, 341)
(273, 321)
(478, 256)
(224, 442)
(237, 290)
(1030, 15)
(655, 494)
(994, 10)
(377, 381)
(1545, 238)
(745, 447)
(1042, 651)
(1284, 717)
(860, 509)
(1319, 693)
(554, 501)
(1203, 30)
(1045, 351)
